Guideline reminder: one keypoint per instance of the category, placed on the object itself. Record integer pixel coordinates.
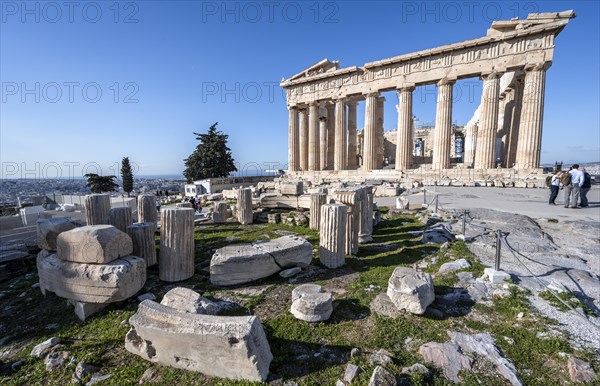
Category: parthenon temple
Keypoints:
(505, 133)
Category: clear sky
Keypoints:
(87, 83)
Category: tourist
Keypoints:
(585, 187)
(554, 187)
(199, 205)
(572, 189)
(158, 204)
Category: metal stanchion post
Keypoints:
(436, 203)
(464, 225)
(498, 245)
(424, 196)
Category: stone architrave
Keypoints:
(529, 143)
(120, 218)
(404, 135)
(332, 250)
(365, 229)
(234, 347)
(244, 206)
(293, 140)
(340, 154)
(93, 244)
(48, 230)
(352, 140)
(176, 258)
(350, 199)
(443, 125)
(91, 283)
(370, 133)
(146, 207)
(485, 156)
(220, 212)
(142, 235)
(96, 209)
(411, 290)
(316, 201)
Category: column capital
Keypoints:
(313, 103)
(490, 75)
(409, 87)
(372, 94)
(352, 103)
(538, 66)
(292, 107)
(445, 81)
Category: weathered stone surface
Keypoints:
(365, 229)
(244, 206)
(55, 360)
(291, 188)
(242, 263)
(316, 201)
(146, 208)
(43, 348)
(220, 212)
(446, 357)
(311, 303)
(495, 276)
(85, 310)
(580, 371)
(332, 251)
(48, 230)
(485, 347)
(382, 357)
(273, 218)
(83, 370)
(411, 290)
(233, 347)
(454, 266)
(96, 209)
(402, 203)
(438, 234)
(382, 377)
(187, 300)
(417, 368)
(120, 218)
(93, 244)
(384, 306)
(286, 273)
(350, 373)
(351, 200)
(92, 283)
(273, 201)
(142, 236)
(176, 259)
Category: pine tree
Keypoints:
(212, 158)
(126, 175)
(101, 184)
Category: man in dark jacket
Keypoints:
(585, 188)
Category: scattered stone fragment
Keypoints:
(454, 266)
(417, 368)
(382, 357)
(233, 347)
(151, 375)
(411, 290)
(382, 377)
(84, 310)
(93, 244)
(56, 360)
(355, 352)
(187, 300)
(43, 348)
(437, 234)
(351, 373)
(82, 371)
(464, 276)
(446, 357)
(98, 378)
(495, 276)
(580, 371)
(48, 230)
(383, 305)
(286, 273)
(520, 315)
(311, 303)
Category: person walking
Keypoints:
(585, 188)
(158, 204)
(554, 187)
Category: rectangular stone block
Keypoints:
(93, 244)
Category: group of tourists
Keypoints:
(576, 184)
(196, 204)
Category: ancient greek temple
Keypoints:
(505, 132)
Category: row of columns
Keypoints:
(328, 140)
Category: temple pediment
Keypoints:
(321, 67)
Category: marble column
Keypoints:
(370, 133)
(404, 136)
(313, 136)
(332, 240)
(339, 157)
(330, 134)
(351, 162)
(532, 113)
(443, 125)
(120, 218)
(176, 257)
(146, 207)
(293, 142)
(317, 200)
(323, 143)
(97, 207)
(515, 117)
(485, 157)
(303, 139)
(142, 236)
(470, 144)
(380, 132)
(244, 206)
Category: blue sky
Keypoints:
(87, 83)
